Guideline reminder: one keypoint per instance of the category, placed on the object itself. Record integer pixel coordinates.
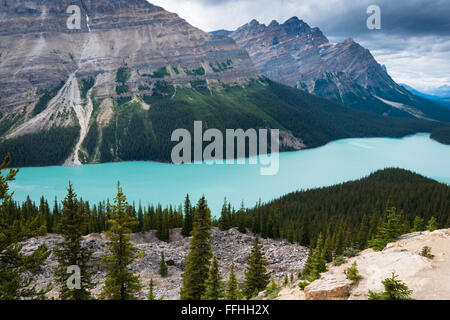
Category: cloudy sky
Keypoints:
(413, 43)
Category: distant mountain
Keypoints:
(444, 101)
(116, 89)
(297, 55)
(442, 91)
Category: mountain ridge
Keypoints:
(297, 55)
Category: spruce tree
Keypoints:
(15, 284)
(418, 224)
(70, 252)
(188, 222)
(214, 285)
(256, 277)
(394, 289)
(432, 224)
(318, 262)
(151, 295)
(163, 269)
(389, 231)
(198, 259)
(120, 283)
(232, 290)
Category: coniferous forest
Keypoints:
(332, 222)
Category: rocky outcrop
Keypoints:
(228, 246)
(295, 54)
(429, 279)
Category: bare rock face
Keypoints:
(39, 53)
(228, 246)
(297, 55)
(328, 290)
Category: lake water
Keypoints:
(148, 182)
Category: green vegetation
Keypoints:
(426, 252)
(85, 85)
(122, 76)
(198, 259)
(214, 286)
(15, 284)
(70, 252)
(394, 290)
(303, 284)
(196, 72)
(256, 276)
(432, 224)
(151, 295)
(120, 283)
(41, 149)
(316, 263)
(349, 215)
(232, 290)
(45, 96)
(441, 134)
(163, 270)
(353, 273)
(160, 73)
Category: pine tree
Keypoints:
(188, 219)
(432, 224)
(163, 269)
(214, 285)
(120, 283)
(198, 259)
(14, 266)
(70, 252)
(256, 277)
(232, 290)
(151, 295)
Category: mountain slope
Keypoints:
(117, 88)
(297, 55)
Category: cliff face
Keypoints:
(297, 55)
(38, 51)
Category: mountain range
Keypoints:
(116, 89)
(300, 56)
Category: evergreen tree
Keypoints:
(120, 283)
(15, 284)
(256, 277)
(389, 231)
(198, 259)
(232, 290)
(394, 289)
(214, 285)
(163, 269)
(70, 252)
(225, 217)
(151, 295)
(318, 262)
(432, 224)
(418, 224)
(188, 219)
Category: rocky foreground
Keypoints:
(428, 278)
(228, 246)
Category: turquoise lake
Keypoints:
(149, 182)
